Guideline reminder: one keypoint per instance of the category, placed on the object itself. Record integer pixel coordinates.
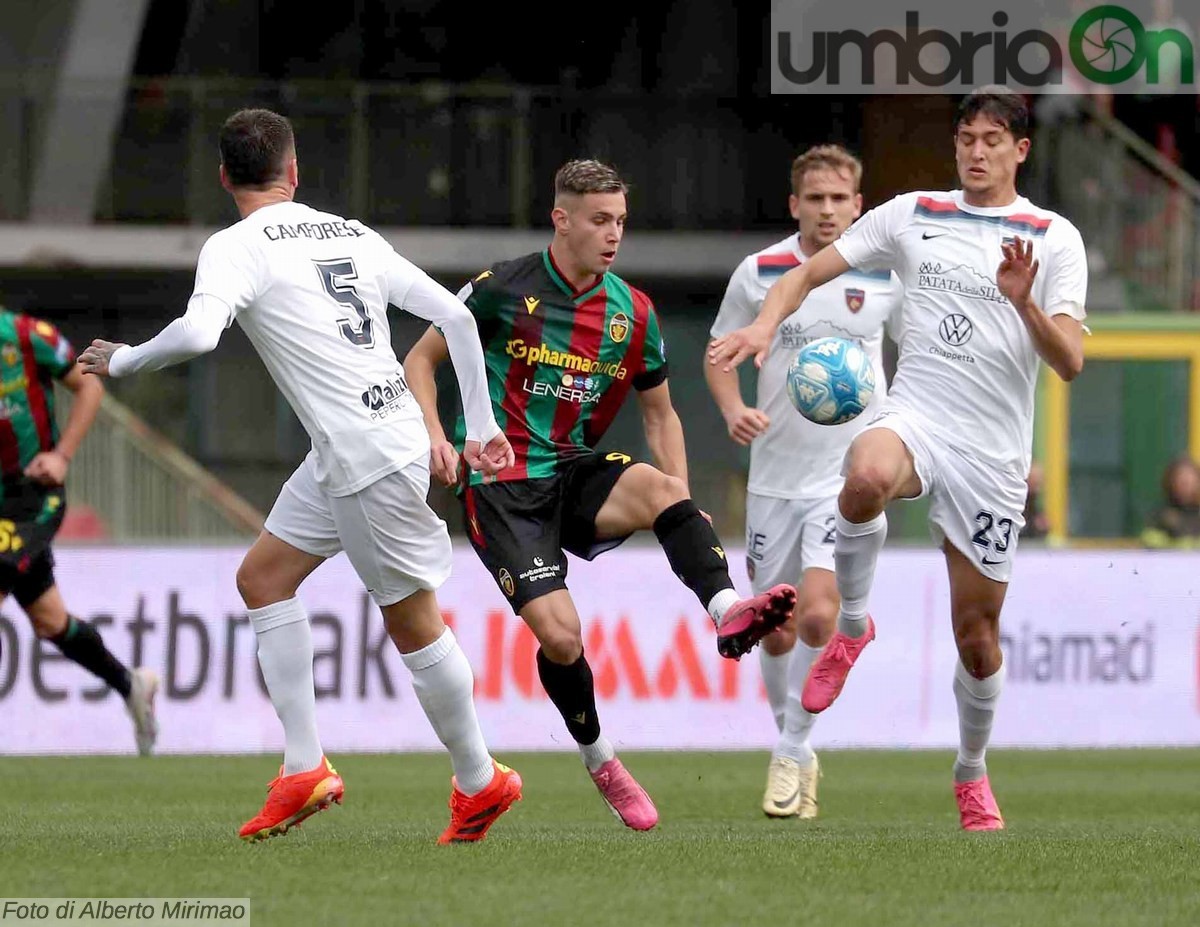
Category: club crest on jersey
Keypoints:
(506, 582)
(11, 354)
(618, 327)
(855, 299)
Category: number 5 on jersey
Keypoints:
(334, 277)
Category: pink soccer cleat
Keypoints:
(624, 797)
(750, 620)
(829, 672)
(977, 808)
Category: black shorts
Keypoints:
(520, 528)
(30, 517)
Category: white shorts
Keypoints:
(395, 542)
(976, 506)
(785, 537)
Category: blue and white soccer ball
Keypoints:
(831, 381)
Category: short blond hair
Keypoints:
(825, 157)
(586, 175)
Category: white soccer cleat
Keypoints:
(140, 705)
(791, 788)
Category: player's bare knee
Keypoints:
(256, 588)
(978, 641)
(46, 627)
(816, 623)
(865, 493)
(780, 641)
(561, 645)
(667, 491)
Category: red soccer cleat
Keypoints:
(750, 620)
(472, 815)
(977, 808)
(829, 671)
(292, 799)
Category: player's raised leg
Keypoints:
(567, 678)
(80, 641)
(794, 770)
(975, 603)
(879, 469)
(645, 497)
(268, 578)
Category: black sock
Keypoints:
(573, 693)
(693, 550)
(82, 643)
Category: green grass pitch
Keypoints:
(1094, 838)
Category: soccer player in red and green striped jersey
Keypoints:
(34, 459)
(565, 340)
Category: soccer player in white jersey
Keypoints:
(795, 465)
(311, 292)
(991, 284)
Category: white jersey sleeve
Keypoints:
(741, 303)
(1066, 268)
(194, 333)
(415, 291)
(872, 242)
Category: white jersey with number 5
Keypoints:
(311, 291)
(967, 362)
(796, 458)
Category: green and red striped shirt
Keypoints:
(32, 355)
(560, 363)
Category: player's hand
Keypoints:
(443, 462)
(489, 460)
(730, 350)
(746, 424)
(95, 357)
(49, 468)
(1017, 271)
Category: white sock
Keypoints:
(856, 548)
(977, 699)
(597, 754)
(798, 723)
(285, 653)
(775, 677)
(719, 604)
(445, 685)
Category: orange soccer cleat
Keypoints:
(292, 799)
(472, 815)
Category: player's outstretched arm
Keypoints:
(664, 431)
(784, 298)
(50, 467)
(196, 332)
(420, 368)
(485, 449)
(743, 423)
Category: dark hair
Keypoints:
(1182, 462)
(587, 176)
(999, 104)
(255, 145)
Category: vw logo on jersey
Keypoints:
(956, 330)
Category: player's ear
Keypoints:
(857, 205)
(1022, 149)
(225, 184)
(293, 172)
(561, 220)
(794, 206)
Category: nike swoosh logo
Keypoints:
(783, 805)
(990, 562)
(925, 236)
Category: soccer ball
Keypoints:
(831, 381)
